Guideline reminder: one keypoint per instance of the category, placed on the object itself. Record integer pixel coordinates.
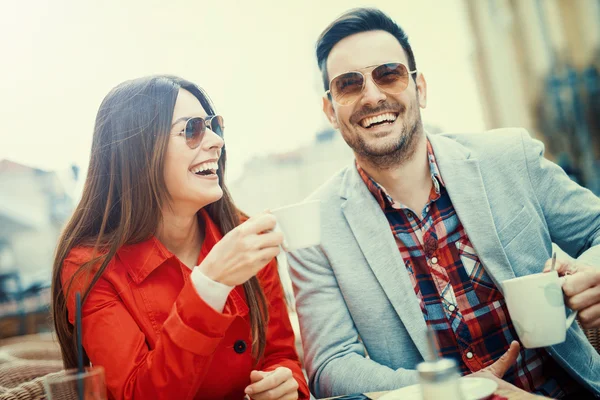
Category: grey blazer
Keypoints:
(362, 328)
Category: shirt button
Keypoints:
(409, 215)
(240, 346)
(451, 308)
(469, 355)
(434, 260)
(427, 209)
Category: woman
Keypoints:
(181, 300)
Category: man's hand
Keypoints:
(497, 370)
(274, 385)
(582, 290)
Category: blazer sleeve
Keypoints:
(572, 212)
(177, 365)
(335, 358)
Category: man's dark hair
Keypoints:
(356, 21)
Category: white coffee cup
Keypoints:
(537, 309)
(300, 224)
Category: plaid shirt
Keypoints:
(458, 299)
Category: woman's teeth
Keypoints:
(205, 168)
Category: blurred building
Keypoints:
(276, 180)
(537, 66)
(34, 205)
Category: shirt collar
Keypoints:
(142, 258)
(384, 198)
(434, 169)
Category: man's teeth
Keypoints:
(208, 166)
(367, 122)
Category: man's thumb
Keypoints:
(507, 360)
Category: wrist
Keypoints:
(212, 292)
(209, 271)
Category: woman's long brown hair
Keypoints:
(125, 191)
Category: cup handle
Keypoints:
(573, 315)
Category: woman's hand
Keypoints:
(274, 385)
(243, 251)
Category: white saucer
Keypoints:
(472, 388)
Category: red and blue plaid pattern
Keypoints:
(458, 299)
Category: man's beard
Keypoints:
(395, 153)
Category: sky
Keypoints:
(255, 59)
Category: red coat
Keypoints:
(156, 338)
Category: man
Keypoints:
(421, 230)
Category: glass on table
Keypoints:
(73, 385)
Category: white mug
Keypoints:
(300, 224)
(537, 309)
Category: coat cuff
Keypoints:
(212, 292)
(194, 325)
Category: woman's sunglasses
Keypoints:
(195, 128)
(346, 88)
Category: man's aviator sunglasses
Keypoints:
(346, 88)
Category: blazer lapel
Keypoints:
(373, 234)
(462, 177)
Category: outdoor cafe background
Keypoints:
(489, 63)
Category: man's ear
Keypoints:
(330, 112)
(422, 90)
